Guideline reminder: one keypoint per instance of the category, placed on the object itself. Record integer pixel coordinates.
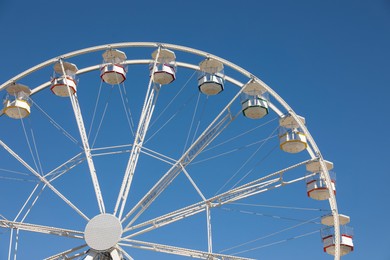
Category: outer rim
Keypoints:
(314, 154)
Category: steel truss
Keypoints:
(261, 185)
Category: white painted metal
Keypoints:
(312, 149)
(41, 229)
(209, 234)
(84, 138)
(263, 184)
(42, 179)
(212, 131)
(65, 254)
(143, 125)
(178, 250)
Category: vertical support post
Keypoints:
(209, 235)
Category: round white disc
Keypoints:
(103, 232)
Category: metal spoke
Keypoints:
(261, 185)
(65, 167)
(177, 250)
(84, 139)
(224, 118)
(66, 254)
(41, 229)
(143, 125)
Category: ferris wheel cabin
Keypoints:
(113, 71)
(210, 79)
(291, 136)
(163, 69)
(64, 81)
(328, 235)
(316, 186)
(253, 100)
(16, 102)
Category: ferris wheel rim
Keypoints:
(316, 153)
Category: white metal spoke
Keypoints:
(143, 125)
(193, 183)
(66, 254)
(261, 185)
(224, 118)
(198, 144)
(65, 167)
(84, 139)
(177, 250)
(125, 253)
(42, 179)
(209, 235)
(158, 156)
(41, 229)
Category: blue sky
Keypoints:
(328, 60)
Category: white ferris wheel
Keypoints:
(141, 150)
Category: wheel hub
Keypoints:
(103, 232)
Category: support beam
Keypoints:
(84, 138)
(224, 118)
(178, 250)
(41, 229)
(261, 185)
(143, 125)
(66, 254)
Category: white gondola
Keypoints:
(291, 137)
(346, 237)
(16, 103)
(254, 100)
(210, 78)
(315, 185)
(164, 71)
(113, 71)
(64, 82)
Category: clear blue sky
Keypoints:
(329, 60)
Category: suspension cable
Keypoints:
(56, 125)
(173, 99)
(35, 147)
(278, 207)
(233, 150)
(102, 118)
(28, 143)
(95, 109)
(245, 163)
(278, 242)
(269, 235)
(192, 123)
(128, 111)
(239, 135)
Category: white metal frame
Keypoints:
(271, 181)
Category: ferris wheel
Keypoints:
(138, 150)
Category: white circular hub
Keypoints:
(103, 232)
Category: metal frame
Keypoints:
(214, 129)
